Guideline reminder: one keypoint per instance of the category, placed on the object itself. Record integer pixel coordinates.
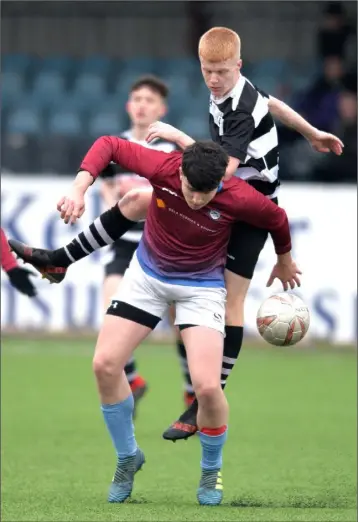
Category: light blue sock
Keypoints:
(119, 420)
(212, 449)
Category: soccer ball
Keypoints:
(283, 319)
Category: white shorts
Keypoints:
(195, 305)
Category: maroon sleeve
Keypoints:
(131, 156)
(258, 210)
(8, 261)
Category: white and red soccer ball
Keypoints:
(283, 319)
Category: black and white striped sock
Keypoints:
(106, 229)
(232, 347)
(131, 370)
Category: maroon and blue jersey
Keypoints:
(181, 245)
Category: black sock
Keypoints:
(106, 229)
(232, 347)
(184, 364)
(130, 370)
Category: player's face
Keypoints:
(220, 77)
(195, 199)
(145, 106)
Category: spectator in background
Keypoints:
(319, 104)
(334, 32)
(331, 104)
(344, 170)
(19, 277)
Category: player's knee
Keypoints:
(135, 203)
(208, 392)
(104, 367)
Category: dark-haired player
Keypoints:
(180, 259)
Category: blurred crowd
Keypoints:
(329, 103)
(53, 107)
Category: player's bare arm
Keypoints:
(72, 206)
(320, 141)
(168, 132)
(106, 149)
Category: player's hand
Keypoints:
(164, 131)
(324, 142)
(72, 207)
(20, 279)
(287, 272)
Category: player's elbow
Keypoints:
(274, 105)
(104, 143)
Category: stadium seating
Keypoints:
(48, 86)
(60, 64)
(16, 63)
(65, 123)
(12, 87)
(105, 123)
(139, 66)
(90, 86)
(95, 65)
(65, 98)
(24, 121)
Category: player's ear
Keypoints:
(239, 63)
(127, 106)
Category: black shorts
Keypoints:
(245, 245)
(123, 253)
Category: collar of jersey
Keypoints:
(129, 136)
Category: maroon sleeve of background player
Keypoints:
(131, 156)
(8, 261)
(258, 210)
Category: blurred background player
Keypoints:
(146, 104)
(19, 277)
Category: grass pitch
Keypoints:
(291, 452)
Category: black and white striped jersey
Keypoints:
(242, 124)
(112, 171)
